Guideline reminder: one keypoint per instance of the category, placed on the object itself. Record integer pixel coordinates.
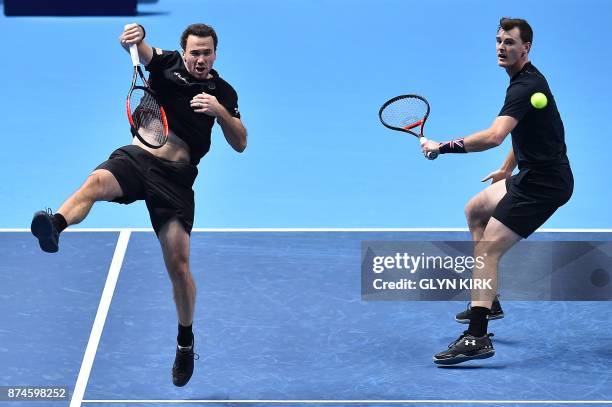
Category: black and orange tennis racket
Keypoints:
(407, 113)
(146, 116)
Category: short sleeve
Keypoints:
(159, 62)
(229, 99)
(517, 102)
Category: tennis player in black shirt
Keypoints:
(194, 96)
(514, 206)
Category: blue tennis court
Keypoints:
(277, 250)
(279, 317)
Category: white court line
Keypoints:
(355, 401)
(98, 325)
(267, 230)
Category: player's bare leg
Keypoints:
(101, 185)
(497, 239)
(174, 241)
(479, 209)
(478, 212)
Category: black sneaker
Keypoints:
(467, 347)
(496, 313)
(183, 365)
(42, 227)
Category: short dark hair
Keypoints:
(199, 30)
(507, 24)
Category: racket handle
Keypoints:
(431, 155)
(134, 54)
(133, 47)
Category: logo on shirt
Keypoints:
(178, 75)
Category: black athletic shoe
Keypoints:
(467, 347)
(42, 227)
(183, 365)
(496, 313)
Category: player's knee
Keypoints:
(474, 213)
(94, 185)
(100, 185)
(178, 266)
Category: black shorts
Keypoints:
(165, 186)
(532, 196)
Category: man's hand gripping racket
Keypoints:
(407, 113)
(146, 116)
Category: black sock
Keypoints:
(59, 222)
(185, 335)
(478, 321)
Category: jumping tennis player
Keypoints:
(507, 211)
(193, 96)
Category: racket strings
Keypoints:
(147, 117)
(404, 112)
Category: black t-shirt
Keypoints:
(538, 140)
(175, 87)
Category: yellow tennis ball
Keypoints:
(539, 100)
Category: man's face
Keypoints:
(510, 49)
(199, 56)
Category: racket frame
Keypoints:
(410, 127)
(138, 73)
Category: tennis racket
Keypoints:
(146, 116)
(407, 113)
